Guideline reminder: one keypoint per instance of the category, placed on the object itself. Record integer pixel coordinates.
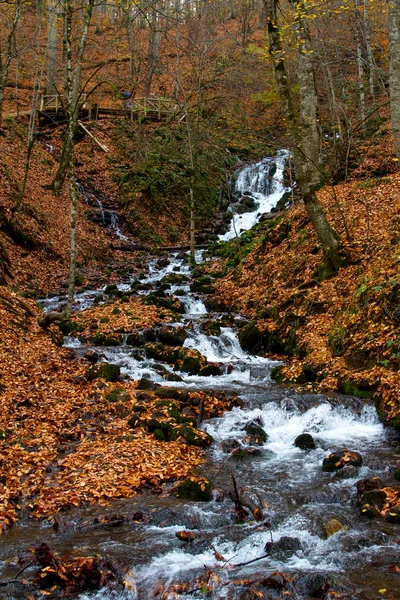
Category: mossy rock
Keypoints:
(376, 498)
(192, 436)
(173, 408)
(79, 279)
(135, 420)
(276, 374)
(254, 429)
(118, 395)
(2, 435)
(116, 311)
(104, 320)
(153, 425)
(210, 370)
(111, 289)
(112, 341)
(352, 388)
(107, 371)
(191, 365)
(158, 434)
(194, 490)
(146, 384)
(67, 327)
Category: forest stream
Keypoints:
(298, 498)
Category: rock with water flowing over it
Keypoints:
(107, 371)
(305, 441)
(172, 336)
(339, 460)
(283, 548)
(333, 526)
(256, 432)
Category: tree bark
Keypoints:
(304, 136)
(394, 79)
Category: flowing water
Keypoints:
(298, 499)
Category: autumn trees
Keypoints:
(303, 129)
(394, 40)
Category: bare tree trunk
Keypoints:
(52, 48)
(72, 87)
(154, 50)
(360, 70)
(394, 40)
(304, 137)
(9, 54)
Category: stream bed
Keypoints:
(297, 497)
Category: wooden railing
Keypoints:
(55, 102)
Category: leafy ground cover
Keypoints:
(68, 438)
(341, 334)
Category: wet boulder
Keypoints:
(250, 338)
(283, 548)
(229, 445)
(210, 370)
(312, 585)
(172, 377)
(245, 453)
(305, 441)
(190, 489)
(92, 356)
(368, 484)
(255, 430)
(172, 392)
(393, 515)
(136, 338)
(342, 458)
(376, 498)
(172, 336)
(333, 526)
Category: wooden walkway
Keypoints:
(52, 110)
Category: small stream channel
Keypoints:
(298, 497)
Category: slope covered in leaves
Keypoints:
(63, 439)
(342, 333)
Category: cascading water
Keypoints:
(298, 498)
(262, 182)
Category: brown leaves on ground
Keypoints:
(61, 441)
(121, 316)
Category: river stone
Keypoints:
(312, 585)
(283, 548)
(229, 445)
(92, 356)
(172, 377)
(333, 526)
(368, 484)
(305, 441)
(256, 431)
(340, 459)
(376, 498)
(172, 336)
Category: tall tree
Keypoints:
(394, 40)
(10, 17)
(72, 85)
(303, 132)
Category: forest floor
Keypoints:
(341, 334)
